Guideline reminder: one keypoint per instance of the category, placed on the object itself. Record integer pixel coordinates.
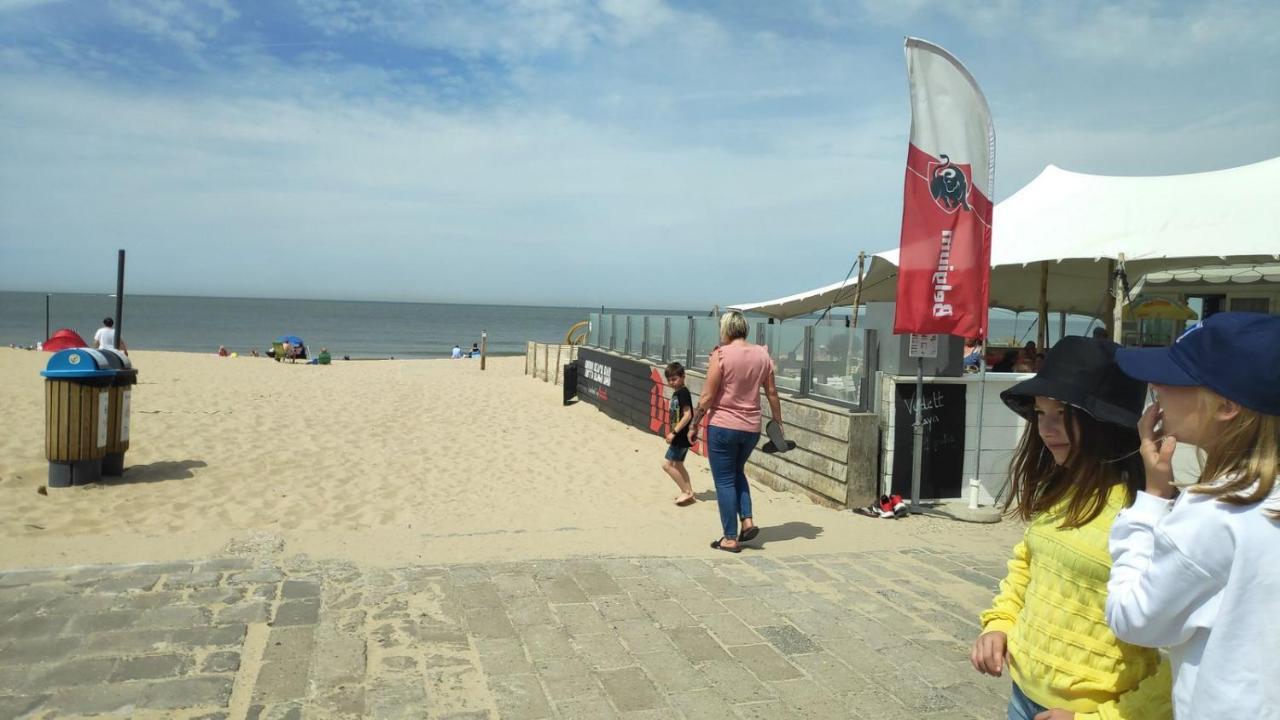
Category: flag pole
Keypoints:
(917, 439)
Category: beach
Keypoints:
(418, 538)
(381, 462)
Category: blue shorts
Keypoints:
(676, 454)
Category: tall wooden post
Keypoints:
(1109, 305)
(1043, 334)
(120, 303)
(484, 347)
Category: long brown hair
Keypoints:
(1102, 456)
(1239, 466)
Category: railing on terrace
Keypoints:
(828, 363)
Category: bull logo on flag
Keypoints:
(949, 185)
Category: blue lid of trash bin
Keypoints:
(78, 363)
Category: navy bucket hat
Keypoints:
(1234, 354)
(1082, 372)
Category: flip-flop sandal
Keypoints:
(778, 442)
(749, 534)
(715, 545)
(685, 503)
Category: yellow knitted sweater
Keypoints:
(1052, 606)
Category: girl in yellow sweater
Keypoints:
(1075, 467)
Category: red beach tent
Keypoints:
(63, 339)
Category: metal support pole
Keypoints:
(806, 365)
(644, 336)
(857, 289)
(666, 340)
(974, 483)
(46, 316)
(917, 440)
(691, 353)
(1117, 331)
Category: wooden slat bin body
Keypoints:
(77, 389)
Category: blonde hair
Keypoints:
(1240, 466)
(733, 325)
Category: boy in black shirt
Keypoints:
(681, 410)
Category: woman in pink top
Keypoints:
(736, 373)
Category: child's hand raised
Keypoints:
(1157, 452)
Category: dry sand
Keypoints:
(386, 462)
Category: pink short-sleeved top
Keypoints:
(742, 372)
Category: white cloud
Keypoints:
(188, 24)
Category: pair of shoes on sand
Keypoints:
(889, 507)
(747, 536)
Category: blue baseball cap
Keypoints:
(1234, 354)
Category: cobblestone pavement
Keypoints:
(852, 635)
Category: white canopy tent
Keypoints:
(1072, 228)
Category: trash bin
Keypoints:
(76, 389)
(118, 411)
(570, 382)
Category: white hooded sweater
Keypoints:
(1202, 578)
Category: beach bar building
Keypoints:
(1065, 243)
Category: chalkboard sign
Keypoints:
(943, 457)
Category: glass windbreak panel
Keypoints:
(839, 364)
(679, 340)
(593, 337)
(655, 338)
(635, 339)
(786, 346)
(612, 331)
(706, 336)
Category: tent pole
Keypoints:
(1042, 333)
(1117, 317)
(1062, 324)
(857, 291)
(1109, 302)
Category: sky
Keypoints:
(628, 153)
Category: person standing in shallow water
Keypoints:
(736, 373)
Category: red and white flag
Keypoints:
(944, 264)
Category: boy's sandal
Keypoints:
(717, 546)
(749, 534)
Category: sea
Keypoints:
(347, 328)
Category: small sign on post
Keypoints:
(923, 346)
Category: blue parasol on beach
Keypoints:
(291, 339)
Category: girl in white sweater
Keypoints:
(1199, 572)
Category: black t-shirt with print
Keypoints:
(681, 406)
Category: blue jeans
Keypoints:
(727, 453)
(677, 454)
(1021, 707)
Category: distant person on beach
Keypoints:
(736, 373)
(105, 338)
(457, 353)
(680, 413)
(1007, 362)
(1076, 466)
(324, 358)
(972, 354)
(222, 351)
(475, 349)
(254, 352)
